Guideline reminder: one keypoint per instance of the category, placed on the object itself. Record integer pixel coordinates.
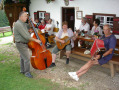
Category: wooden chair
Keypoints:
(51, 39)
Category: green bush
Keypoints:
(3, 19)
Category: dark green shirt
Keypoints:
(21, 32)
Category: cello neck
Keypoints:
(34, 29)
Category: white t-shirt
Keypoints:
(98, 29)
(85, 27)
(50, 26)
(64, 34)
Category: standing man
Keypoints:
(22, 37)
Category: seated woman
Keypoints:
(42, 25)
(37, 23)
(42, 28)
(96, 30)
(49, 28)
(109, 43)
(62, 33)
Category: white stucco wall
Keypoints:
(87, 6)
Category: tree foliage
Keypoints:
(3, 19)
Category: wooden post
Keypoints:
(112, 69)
(62, 53)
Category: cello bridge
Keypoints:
(43, 51)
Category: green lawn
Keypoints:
(6, 34)
(11, 79)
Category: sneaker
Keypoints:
(48, 43)
(72, 73)
(48, 46)
(75, 77)
(28, 74)
(52, 65)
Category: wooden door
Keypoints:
(68, 14)
(35, 16)
(90, 20)
(12, 11)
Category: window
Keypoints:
(41, 14)
(105, 20)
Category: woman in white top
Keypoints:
(49, 28)
(62, 33)
(96, 28)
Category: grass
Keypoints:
(82, 86)
(11, 79)
(6, 34)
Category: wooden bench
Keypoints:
(113, 64)
(5, 29)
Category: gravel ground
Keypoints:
(97, 78)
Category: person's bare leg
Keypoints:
(68, 53)
(87, 66)
(83, 72)
(53, 58)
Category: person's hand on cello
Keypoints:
(35, 40)
(38, 41)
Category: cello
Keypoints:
(41, 57)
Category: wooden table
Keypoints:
(82, 38)
(85, 39)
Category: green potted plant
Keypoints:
(48, 1)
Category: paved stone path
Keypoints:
(5, 40)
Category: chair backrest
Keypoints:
(55, 29)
